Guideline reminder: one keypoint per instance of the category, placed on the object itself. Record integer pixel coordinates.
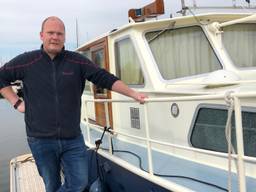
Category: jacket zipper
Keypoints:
(56, 99)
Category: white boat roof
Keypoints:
(182, 20)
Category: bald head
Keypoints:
(52, 18)
(53, 36)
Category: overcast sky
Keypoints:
(21, 20)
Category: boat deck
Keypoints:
(24, 176)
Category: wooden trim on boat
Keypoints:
(149, 11)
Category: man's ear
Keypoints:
(41, 35)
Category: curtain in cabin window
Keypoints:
(182, 52)
(127, 63)
(240, 43)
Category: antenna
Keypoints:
(249, 2)
(183, 7)
(234, 3)
(194, 3)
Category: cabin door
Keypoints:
(100, 57)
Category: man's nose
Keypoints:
(55, 35)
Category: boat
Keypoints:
(197, 129)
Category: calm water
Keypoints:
(12, 140)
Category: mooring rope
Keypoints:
(230, 102)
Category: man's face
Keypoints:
(53, 37)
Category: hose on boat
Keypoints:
(98, 142)
(163, 175)
(99, 184)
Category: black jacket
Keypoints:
(53, 89)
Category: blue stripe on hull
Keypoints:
(118, 179)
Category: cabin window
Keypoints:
(98, 58)
(88, 84)
(240, 43)
(127, 63)
(182, 52)
(209, 130)
(86, 54)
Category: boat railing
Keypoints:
(229, 96)
(189, 7)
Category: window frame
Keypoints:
(213, 106)
(88, 87)
(137, 51)
(230, 56)
(215, 52)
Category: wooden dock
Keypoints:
(24, 176)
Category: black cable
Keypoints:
(190, 178)
(99, 142)
(90, 161)
(97, 165)
(134, 154)
(161, 175)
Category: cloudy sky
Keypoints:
(21, 20)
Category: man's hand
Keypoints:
(21, 107)
(123, 89)
(139, 97)
(9, 94)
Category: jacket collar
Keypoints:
(59, 55)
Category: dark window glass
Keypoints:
(209, 131)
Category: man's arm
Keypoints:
(10, 72)
(12, 97)
(104, 79)
(123, 89)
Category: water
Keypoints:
(12, 140)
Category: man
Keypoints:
(53, 81)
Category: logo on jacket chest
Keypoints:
(67, 73)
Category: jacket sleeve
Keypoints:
(97, 75)
(12, 71)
